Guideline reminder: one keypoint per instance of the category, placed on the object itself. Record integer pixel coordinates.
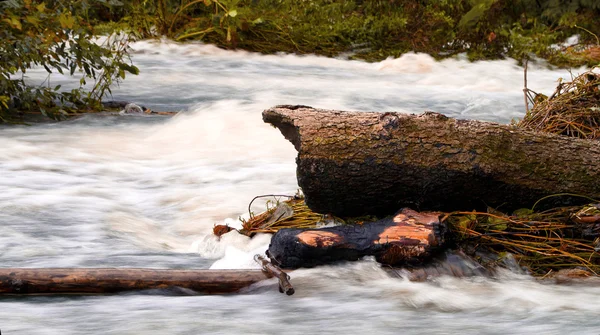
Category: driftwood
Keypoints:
(100, 281)
(284, 278)
(355, 163)
(408, 237)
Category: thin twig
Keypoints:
(265, 196)
(525, 86)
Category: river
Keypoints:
(131, 191)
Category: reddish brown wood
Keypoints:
(408, 237)
(98, 281)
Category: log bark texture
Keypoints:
(355, 163)
(408, 237)
(99, 281)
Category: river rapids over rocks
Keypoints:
(146, 191)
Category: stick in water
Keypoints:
(284, 278)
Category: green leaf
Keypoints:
(129, 68)
(473, 16)
(66, 20)
(232, 13)
(14, 22)
(522, 212)
(33, 20)
(498, 223)
(4, 101)
(216, 20)
(460, 221)
(86, 68)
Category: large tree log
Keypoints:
(408, 237)
(354, 163)
(98, 281)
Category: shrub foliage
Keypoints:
(58, 36)
(374, 29)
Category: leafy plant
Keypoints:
(57, 36)
(376, 29)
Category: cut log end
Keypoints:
(285, 124)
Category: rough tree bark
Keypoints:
(98, 281)
(355, 163)
(408, 237)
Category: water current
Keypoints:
(130, 191)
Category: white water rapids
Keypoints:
(125, 191)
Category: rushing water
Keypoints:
(125, 191)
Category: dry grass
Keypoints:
(572, 110)
(302, 217)
(542, 242)
(562, 237)
(586, 55)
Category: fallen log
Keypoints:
(355, 163)
(101, 281)
(408, 237)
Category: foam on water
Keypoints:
(163, 186)
(349, 298)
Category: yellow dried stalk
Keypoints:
(302, 217)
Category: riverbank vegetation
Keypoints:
(59, 36)
(376, 29)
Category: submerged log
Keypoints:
(99, 281)
(408, 237)
(355, 163)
